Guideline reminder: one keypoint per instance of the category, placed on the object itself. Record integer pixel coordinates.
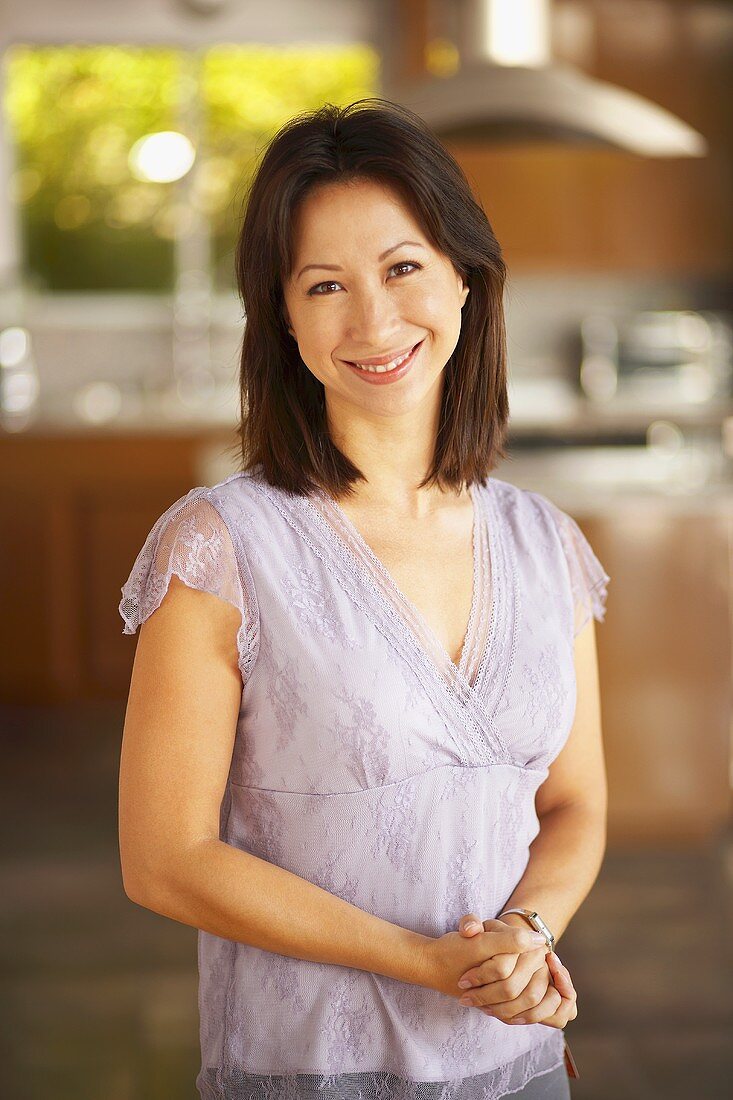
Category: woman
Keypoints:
(370, 682)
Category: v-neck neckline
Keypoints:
(413, 617)
(466, 702)
(477, 637)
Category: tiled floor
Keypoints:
(99, 996)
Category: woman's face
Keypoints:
(363, 298)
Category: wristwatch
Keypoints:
(537, 923)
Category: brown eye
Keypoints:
(315, 290)
(406, 263)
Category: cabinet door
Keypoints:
(665, 668)
(77, 510)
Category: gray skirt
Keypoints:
(554, 1085)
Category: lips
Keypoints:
(387, 375)
(381, 360)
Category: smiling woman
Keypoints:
(382, 320)
(387, 212)
(370, 709)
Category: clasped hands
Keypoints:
(518, 979)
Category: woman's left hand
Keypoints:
(548, 997)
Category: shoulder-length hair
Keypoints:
(283, 427)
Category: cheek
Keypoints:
(435, 304)
(318, 334)
(317, 345)
(423, 293)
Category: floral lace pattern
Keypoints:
(192, 542)
(316, 610)
(370, 764)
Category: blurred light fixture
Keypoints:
(518, 32)
(20, 390)
(98, 402)
(162, 157)
(664, 437)
(508, 88)
(14, 346)
(19, 382)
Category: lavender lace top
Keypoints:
(366, 761)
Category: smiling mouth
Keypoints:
(385, 368)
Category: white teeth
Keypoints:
(386, 366)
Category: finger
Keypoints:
(500, 967)
(527, 981)
(568, 1010)
(470, 925)
(467, 929)
(536, 991)
(560, 976)
(512, 939)
(548, 1007)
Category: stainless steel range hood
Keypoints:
(508, 89)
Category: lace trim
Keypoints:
(548, 1055)
(506, 603)
(588, 579)
(414, 619)
(479, 630)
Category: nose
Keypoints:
(373, 322)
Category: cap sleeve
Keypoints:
(191, 540)
(588, 578)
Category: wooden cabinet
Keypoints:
(76, 510)
(665, 666)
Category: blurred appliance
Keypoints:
(507, 87)
(668, 356)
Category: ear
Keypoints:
(286, 321)
(462, 284)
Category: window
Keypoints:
(91, 215)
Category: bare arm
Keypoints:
(567, 853)
(178, 738)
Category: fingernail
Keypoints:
(519, 1020)
(465, 1000)
(472, 927)
(464, 984)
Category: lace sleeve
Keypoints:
(588, 578)
(192, 541)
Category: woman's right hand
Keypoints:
(447, 957)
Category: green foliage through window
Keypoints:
(75, 112)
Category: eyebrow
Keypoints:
(382, 256)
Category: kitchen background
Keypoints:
(127, 133)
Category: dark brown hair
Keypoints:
(283, 426)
